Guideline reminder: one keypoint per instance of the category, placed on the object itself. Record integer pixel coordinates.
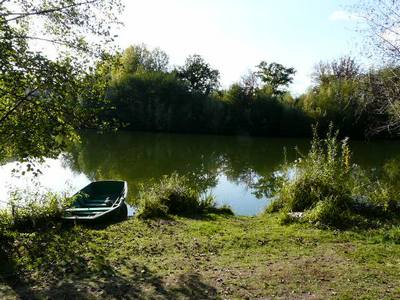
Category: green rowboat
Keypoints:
(100, 201)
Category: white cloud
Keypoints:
(342, 15)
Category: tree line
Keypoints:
(145, 93)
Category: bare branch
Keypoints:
(53, 41)
(3, 1)
(393, 46)
(21, 15)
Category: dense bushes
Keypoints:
(145, 94)
(359, 103)
(324, 188)
(187, 99)
(31, 210)
(173, 195)
(157, 101)
(338, 101)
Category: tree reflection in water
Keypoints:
(140, 157)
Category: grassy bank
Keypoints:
(345, 245)
(213, 257)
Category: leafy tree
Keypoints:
(237, 94)
(158, 61)
(149, 101)
(243, 93)
(275, 76)
(140, 58)
(40, 98)
(198, 75)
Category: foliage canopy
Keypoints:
(41, 99)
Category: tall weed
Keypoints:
(329, 189)
(29, 210)
(173, 195)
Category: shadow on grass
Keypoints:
(108, 283)
(142, 285)
(9, 275)
(69, 263)
(210, 214)
(191, 286)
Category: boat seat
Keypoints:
(94, 205)
(87, 209)
(97, 203)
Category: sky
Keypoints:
(236, 35)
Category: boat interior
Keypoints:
(97, 198)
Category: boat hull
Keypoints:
(100, 201)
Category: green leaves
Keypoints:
(139, 58)
(275, 76)
(198, 75)
(42, 99)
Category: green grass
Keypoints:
(214, 257)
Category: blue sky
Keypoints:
(235, 35)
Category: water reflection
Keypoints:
(56, 176)
(227, 166)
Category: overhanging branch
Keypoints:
(20, 15)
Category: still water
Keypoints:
(225, 166)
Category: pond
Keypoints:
(225, 166)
